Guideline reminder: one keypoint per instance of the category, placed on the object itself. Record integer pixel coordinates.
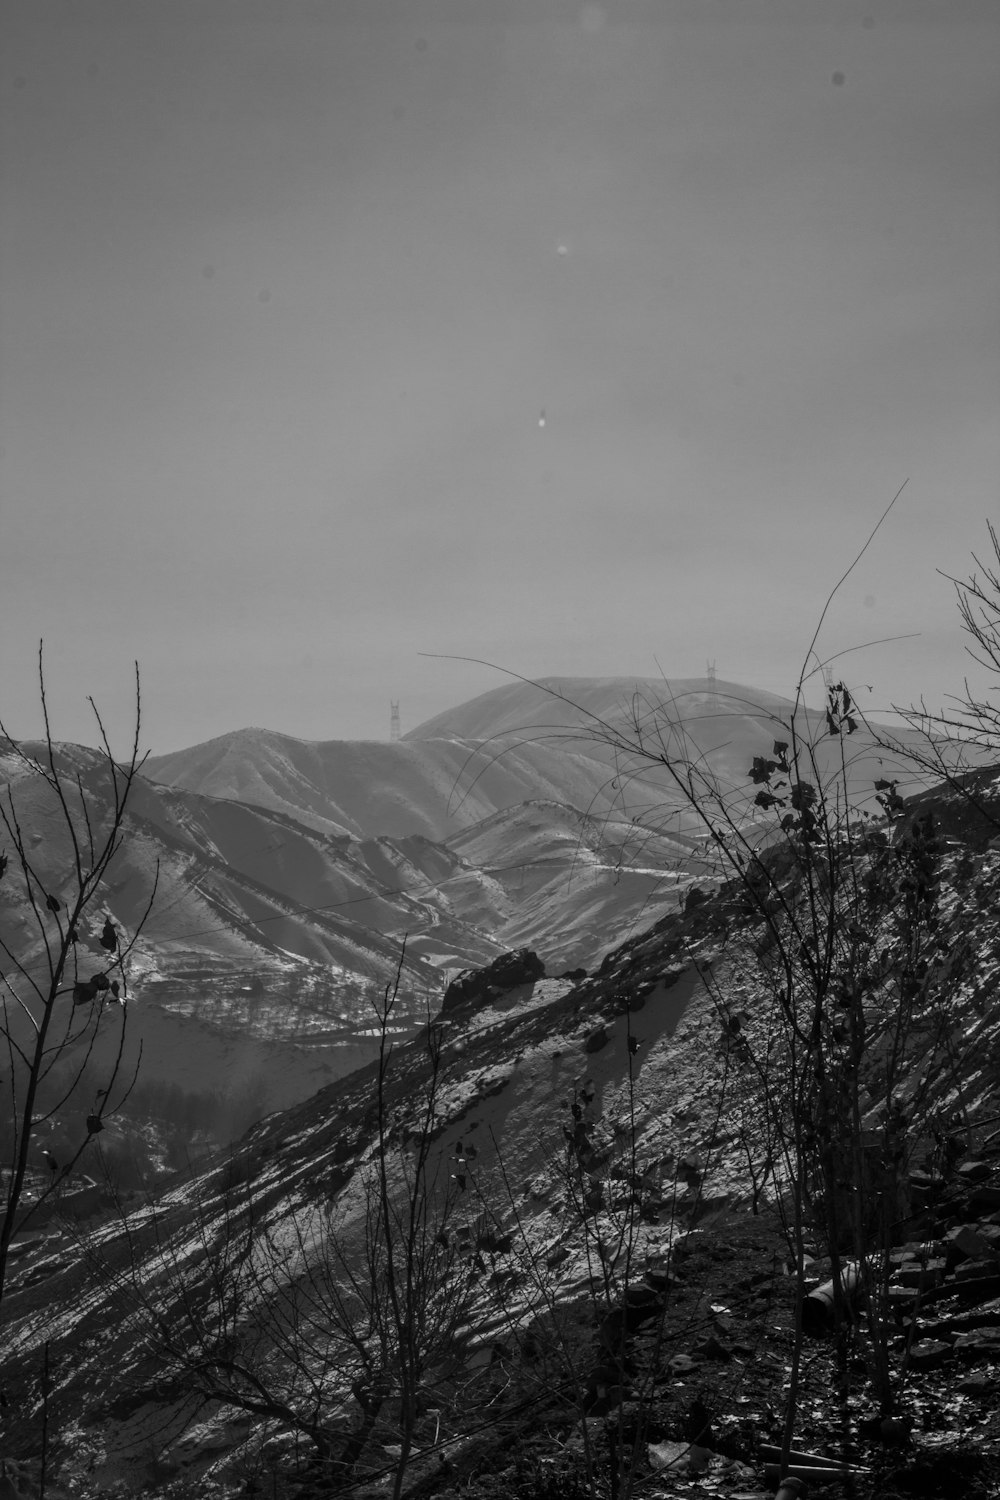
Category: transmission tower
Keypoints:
(710, 670)
(828, 677)
(393, 721)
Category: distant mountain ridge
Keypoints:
(550, 740)
(524, 741)
(373, 787)
(584, 703)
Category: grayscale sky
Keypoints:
(581, 338)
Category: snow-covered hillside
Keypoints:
(637, 1061)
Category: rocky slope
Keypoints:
(625, 1066)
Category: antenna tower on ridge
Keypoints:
(393, 721)
(710, 670)
(828, 677)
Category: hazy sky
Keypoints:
(577, 337)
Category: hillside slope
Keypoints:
(561, 703)
(627, 724)
(370, 787)
(637, 1060)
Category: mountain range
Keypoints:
(288, 873)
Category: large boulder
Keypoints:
(479, 986)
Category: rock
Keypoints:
(971, 1269)
(927, 1354)
(657, 1276)
(916, 1275)
(692, 1242)
(522, 966)
(978, 1288)
(985, 1198)
(978, 1343)
(920, 1250)
(597, 1039)
(901, 1302)
(977, 1385)
(709, 1205)
(970, 1242)
(974, 1171)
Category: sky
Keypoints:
(339, 340)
